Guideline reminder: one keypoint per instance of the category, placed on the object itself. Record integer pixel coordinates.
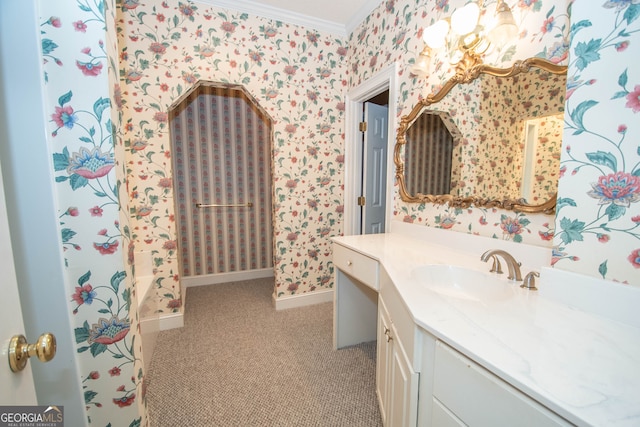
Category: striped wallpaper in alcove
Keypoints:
(221, 144)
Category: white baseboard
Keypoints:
(235, 276)
(302, 300)
(171, 321)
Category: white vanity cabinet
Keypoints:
(396, 381)
(397, 378)
(466, 394)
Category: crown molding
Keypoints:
(279, 14)
(361, 15)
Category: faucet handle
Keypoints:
(529, 281)
(496, 267)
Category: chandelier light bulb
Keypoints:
(435, 35)
(505, 28)
(465, 19)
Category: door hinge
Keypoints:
(361, 201)
(362, 126)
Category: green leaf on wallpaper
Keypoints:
(65, 98)
(603, 158)
(571, 230)
(632, 13)
(61, 178)
(89, 395)
(99, 106)
(637, 171)
(564, 201)
(82, 334)
(84, 278)
(176, 36)
(551, 11)
(48, 46)
(579, 25)
(103, 311)
(84, 7)
(97, 349)
(61, 160)
(82, 349)
(577, 115)
(614, 211)
(620, 94)
(151, 36)
(622, 80)
(517, 238)
(602, 269)
(77, 181)
(587, 53)
(67, 234)
(116, 279)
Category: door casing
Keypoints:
(385, 79)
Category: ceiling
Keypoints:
(340, 17)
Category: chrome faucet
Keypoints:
(512, 264)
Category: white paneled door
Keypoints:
(15, 388)
(375, 168)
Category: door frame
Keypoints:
(385, 79)
(31, 208)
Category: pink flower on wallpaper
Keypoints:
(106, 248)
(129, 4)
(89, 68)
(170, 245)
(160, 117)
(290, 70)
(619, 188)
(125, 401)
(164, 183)
(64, 116)
(633, 99)
(290, 128)
(292, 237)
(115, 371)
(634, 258)
(55, 22)
(157, 48)
(622, 46)
(228, 27)
(80, 26)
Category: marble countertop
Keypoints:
(581, 365)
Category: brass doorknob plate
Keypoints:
(20, 351)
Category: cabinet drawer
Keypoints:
(356, 265)
(479, 398)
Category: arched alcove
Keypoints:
(221, 143)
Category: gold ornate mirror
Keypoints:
(490, 137)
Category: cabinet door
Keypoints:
(383, 358)
(403, 404)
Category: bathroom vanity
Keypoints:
(457, 345)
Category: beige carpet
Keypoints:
(238, 362)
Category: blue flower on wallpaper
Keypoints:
(108, 331)
(90, 164)
(619, 188)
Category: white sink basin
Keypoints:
(463, 283)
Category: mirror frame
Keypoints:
(467, 71)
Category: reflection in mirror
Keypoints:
(490, 137)
(430, 142)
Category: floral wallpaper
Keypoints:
(393, 33)
(114, 190)
(598, 218)
(102, 299)
(545, 168)
(298, 77)
(501, 115)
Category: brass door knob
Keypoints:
(20, 351)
